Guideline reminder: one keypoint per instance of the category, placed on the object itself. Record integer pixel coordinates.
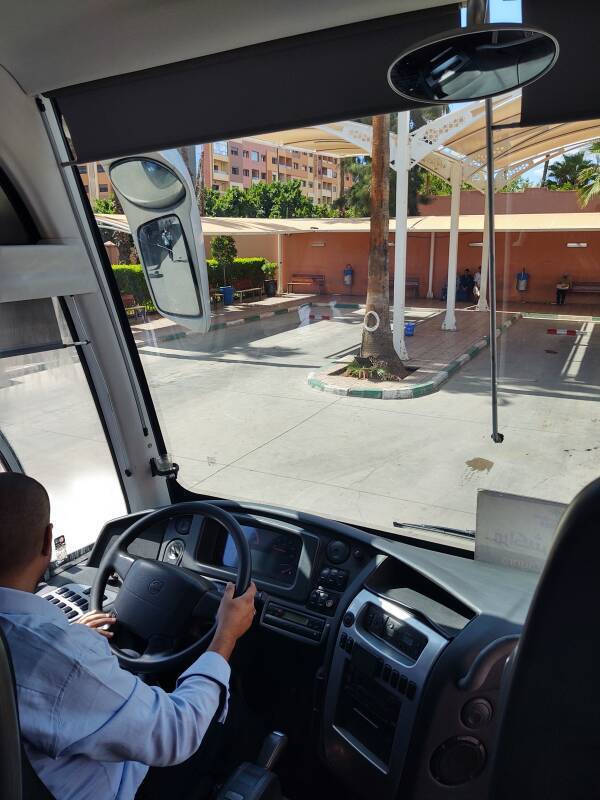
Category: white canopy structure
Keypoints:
(453, 147)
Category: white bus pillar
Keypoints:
(449, 323)
(402, 163)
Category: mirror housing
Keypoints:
(158, 199)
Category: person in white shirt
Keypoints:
(92, 730)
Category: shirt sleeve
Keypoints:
(109, 714)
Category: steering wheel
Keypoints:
(158, 602)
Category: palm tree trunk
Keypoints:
(377, 342)
(545, 172)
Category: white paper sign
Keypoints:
(515, 531)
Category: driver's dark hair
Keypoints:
(24, 517)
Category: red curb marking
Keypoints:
(562, 331)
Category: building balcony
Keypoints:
(220, 175)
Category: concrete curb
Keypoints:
(231, 323)
(255, 317)
(432, 384)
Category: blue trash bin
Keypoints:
(227, 292)
(409, 328)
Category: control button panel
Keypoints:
(404, 637)
(383, 671)
(286, 618)
(332, 578)
(323, 600)
(71, 600)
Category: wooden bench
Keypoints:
(133, 309)
(411, 283)
(587, 287)
(308, 279)
(254, 290)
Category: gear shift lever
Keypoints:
(271, 750)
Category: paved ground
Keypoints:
(241, 420)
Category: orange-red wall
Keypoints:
(544, 256)
(529, 201)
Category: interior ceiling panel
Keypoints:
(44, 45)
(570, 90)
(286, 83)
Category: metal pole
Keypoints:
(449, 323)
(431, 257)
(402, 163)
(496, 435)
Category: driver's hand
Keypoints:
(98, 621)
(234, 617)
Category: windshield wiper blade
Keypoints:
(435, 529)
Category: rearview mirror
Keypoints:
(472, 63)
(157, 196)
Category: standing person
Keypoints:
(477, 284)
(562, 287)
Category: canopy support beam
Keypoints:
(279, 265)
(449, 323)
(482, 303)
(431, 257)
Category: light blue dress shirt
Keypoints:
(92, 729)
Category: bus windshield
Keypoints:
(304, 394)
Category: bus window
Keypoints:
(49, 421)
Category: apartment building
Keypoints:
(95, 181)
(242, 162)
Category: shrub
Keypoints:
(130, 280)
(243, 273)
(269, 269)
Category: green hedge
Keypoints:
(243, 274)
(130, 280)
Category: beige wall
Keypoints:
(249, 246)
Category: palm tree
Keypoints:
(377, 341)
(588, 179)
(564, 174)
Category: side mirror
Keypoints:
(157, 196)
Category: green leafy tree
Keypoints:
(563, 175)
(268, 200)
(106, 205)
(517, 185)
(588, 180)
(223, 250)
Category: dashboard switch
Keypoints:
(394, 679)
(386, 673)
(343, 640)
(411, 690)
(337, 552)
(348, 619)
(402, 684)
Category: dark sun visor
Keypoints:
(332, 74)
